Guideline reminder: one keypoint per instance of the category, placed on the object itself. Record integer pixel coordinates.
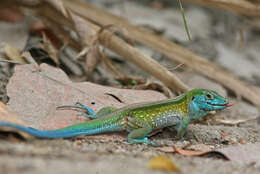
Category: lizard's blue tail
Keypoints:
(86, 128)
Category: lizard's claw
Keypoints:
(89, 111)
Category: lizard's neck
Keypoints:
(194, 111)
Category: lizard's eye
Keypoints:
(209, 96)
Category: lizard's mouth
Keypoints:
(226, 105)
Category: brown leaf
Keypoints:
(215, 154)
(35, 92)
(200, 153)
(163, 162)
(188, 152)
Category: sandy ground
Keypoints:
(103, 154)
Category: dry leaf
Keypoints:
(201, 153)
(188, 152)
(215, 154)
(195, 149)
(13, 53)
(35, 92)
(163, 162)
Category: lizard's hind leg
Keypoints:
(105, 111)
(89, 112)
(139, 134)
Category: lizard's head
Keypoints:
(202, 100)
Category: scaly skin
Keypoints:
(140, 119)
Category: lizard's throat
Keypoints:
(195, 111)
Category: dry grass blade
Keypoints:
(168, 48)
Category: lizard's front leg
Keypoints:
(182, 128)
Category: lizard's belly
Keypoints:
(167, 120)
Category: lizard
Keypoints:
(139, 119)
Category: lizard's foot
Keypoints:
(141, 140)
(87, 115)
(90, 113)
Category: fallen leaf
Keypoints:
(13, 53)
(188, 152)
(210, 153)
(35, 92)
(163, 162)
